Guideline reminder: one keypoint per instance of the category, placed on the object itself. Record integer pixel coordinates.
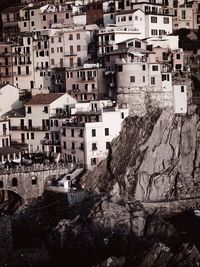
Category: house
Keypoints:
(37, 127)
(86, 138)
(132, 18)
(86, 83)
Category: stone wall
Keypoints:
(25, 188)
(141, 100)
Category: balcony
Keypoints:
(74, 124)
(50, 142)
(3, 54)
(70, 54)
(26, 128)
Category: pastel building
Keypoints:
(86, 83)
(86, 139)
(35, 127)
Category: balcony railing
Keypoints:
(50, 142)
(26, 128)
(74, 124)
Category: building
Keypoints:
(86, 138)
(86, 83)
(9, 98)
(35, 126)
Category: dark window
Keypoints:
(106, 131)
(94, 146)
(108, 145)
(73, 145)
(120, 68)
(122, 115)
(45, 109)
(178, 56)
(64, 145)
(34, 180)
(182, 89)
(93, 161)
(72, 132)
(28, 109)
(14, 181)
(32, 135)
(1, 184)
(93, 132)
(81, 133)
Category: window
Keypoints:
(78, 48)
(178, 56)
(106, 131)
(136, 17)
(108, 146)
(93, 162)
(182, 89)
(64, 145)
(1, 184)
(153, 19)
(44, 18)
(132, 79)
(52, 40)
(93, 132)
(153, 80)
(183, 14)
(32, 13)
(52, 50)
(72, 132)
(56, 123)
(166, 20)
(165, 77)
(155, 68)
(120, 68)
(143, 79)
(14, 181)
(81, 146)
(28, 109)
(94, 146)
(34, 180)
(59, 39)
(154, 32)
(32, 136)
(70, 36)
(67, 15)
(137, 44)
(122, 115)
(27, 136)
(32, 23)
(81, 133)
(25, 25)
(73, 145)
(45, 109)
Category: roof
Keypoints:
(20, 112)
(44, 99)
(128, 11)
(12, 9)
(8, 150)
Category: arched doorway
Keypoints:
(10, 201)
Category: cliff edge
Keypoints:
(155, 158)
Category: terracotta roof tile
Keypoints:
(45, 99)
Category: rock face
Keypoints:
(155, 158)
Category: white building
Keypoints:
(180, 98)
(38, 126)
(9, 98)
(87, 138)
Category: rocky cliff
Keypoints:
(155, 158)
